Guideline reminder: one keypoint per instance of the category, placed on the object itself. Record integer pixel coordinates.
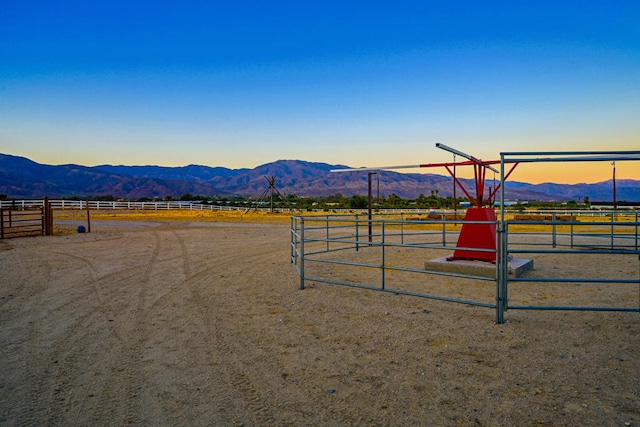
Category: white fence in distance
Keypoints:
(111, 205)
(186, 205)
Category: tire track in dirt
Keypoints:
(268, 345)
(69, 386)
(158, 313)
(235, 296)
(161, 309)
(172, 347)
(186, 270)
(80, 342)
(51, 331)
(239, 354)
(118, 389)
(230, 374)
(177, 344)
(241, 392)
(24, 397)
(102, 307)
(162, 349)
(128, 371)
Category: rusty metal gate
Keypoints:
(30, 220)
(23, 222)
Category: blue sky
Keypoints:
(243, 83)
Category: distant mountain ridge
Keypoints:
(24, 178)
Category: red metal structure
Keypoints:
(477, 240)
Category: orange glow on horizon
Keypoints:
(559, 173)
(574, 173)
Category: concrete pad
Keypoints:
(517, 266)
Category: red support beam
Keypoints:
(493, 193)
(469, 196)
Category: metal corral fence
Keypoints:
(385, 254)
(598, 259)
(404, 256)
(598, 263)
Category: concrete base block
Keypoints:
(517, 267)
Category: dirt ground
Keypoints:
(203, 323)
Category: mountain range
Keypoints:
(24, 178)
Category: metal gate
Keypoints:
(598, 258)
(23, 222)
(26, 220)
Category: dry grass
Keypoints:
(266, 217)
(176, 216)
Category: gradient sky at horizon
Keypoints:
(243, 83)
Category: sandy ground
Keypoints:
(204, 324)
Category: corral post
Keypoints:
(572, 218)
(88, 217)
(43, 220)
(636, 231)
(46, 221)
(50, 218)
(369, 203)
(357, 235)
(2, 223)
(612, 226)
(499, 284)
(553, 228)
(294, 240)
(50, 207)
(382, 247)
(327, 233)
(501, 258)
(301, 253)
